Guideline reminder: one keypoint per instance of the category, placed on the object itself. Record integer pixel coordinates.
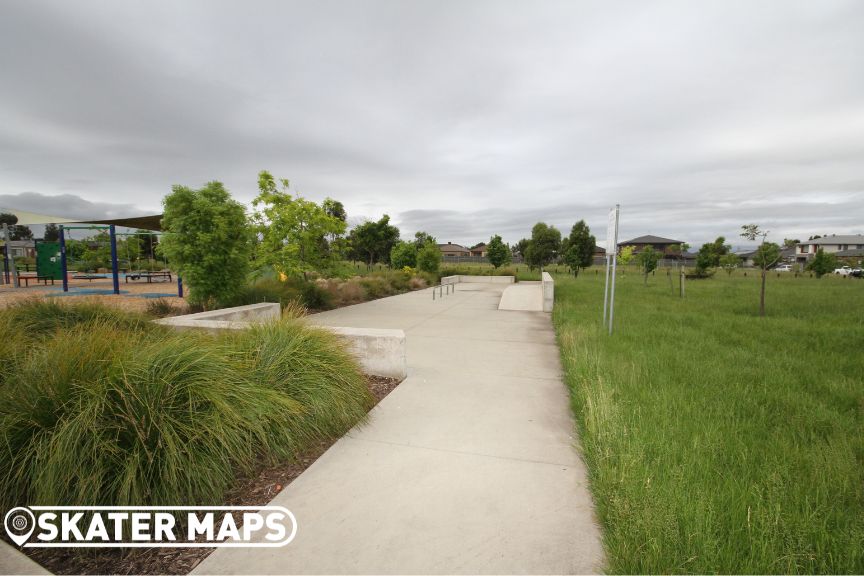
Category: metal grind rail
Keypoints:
(440, 289)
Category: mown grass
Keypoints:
(718, 441)
(99, 407)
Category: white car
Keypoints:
(843, 270)
(783, 268)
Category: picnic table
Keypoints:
(43, 279)
(148, 275)
(88, 277)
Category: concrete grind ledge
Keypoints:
(548, 292)
(478, 279)
(379, 352)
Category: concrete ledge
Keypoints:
(478, 279)
(250, 313)
(548, 292)
(380, 352)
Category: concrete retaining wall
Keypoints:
(379, 352)
(548, 292)
(478, 279)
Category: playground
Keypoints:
(92, 262)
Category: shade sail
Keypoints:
(25, 218)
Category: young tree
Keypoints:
(729, 262)
(579, 249)
(373, 241)
(648, 260)
(403, 254)
(498, 252)
(208, 240)
(625, 255)
(429, 258)
(521, 248)
(51, 234)
(767, 256)
(822, 263)
(544, 245)
(292, 229)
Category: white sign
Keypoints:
(612, 231)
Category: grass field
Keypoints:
(718, 441)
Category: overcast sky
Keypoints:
(461, 118)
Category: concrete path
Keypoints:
(469, 466)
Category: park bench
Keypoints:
(88, 277)
(43, 279)
(148, 275)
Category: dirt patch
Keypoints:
(257, 489)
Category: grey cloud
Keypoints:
(464, 119)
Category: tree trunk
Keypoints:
(762, 293)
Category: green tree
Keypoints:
(790, 242)
(16, 231)
(767, 255)
(403, 254)
(710, 253)
(334, 209)
(52, 233)
(429, 258)
(372, 242)
(822, 263)
(422, 238)
(579, 249)
(498, 252)
(208, 240)
(292, 230)
(729, 262)
(648, 260)
(521, 248)
(544, 245)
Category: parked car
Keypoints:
(843, 270)
(857, 273)
(783, 268)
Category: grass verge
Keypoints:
(718, 441)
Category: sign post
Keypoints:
(611, 263)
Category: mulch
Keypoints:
(254, 490)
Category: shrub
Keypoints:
(162, 308)
(429, 258)
(104, 413)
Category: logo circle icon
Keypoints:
(19, 523)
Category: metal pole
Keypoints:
(115, 273)
(5, 275)
(179, 286)
(614, 266)
(63, 262)
(10, 256)
(606, 289)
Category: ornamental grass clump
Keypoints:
(111, 412)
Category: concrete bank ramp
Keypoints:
(526, 296)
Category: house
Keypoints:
(453, 250)
(748, 257)
(830, 244)
(666, 246)
(22, 248)
(479, 250)
(853, 256)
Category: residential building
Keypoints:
(453, 250)
(830, 244)
(22, 248)
(666, 246)
(479, 250)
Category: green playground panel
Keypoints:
(48, 260)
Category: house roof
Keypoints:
(649, 239)
(839, 239)
(852, 252)
(450, 247)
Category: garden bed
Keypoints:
(251, 490)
